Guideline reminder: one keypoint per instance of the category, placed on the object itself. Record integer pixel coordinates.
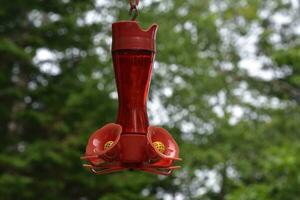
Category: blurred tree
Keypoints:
(226, 85)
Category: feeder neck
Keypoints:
(133, 70)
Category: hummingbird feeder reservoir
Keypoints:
(131, 143)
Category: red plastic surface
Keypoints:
(131, 141)
(133, 74)
(133, 148)
(129, 35)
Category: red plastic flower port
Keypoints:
(131, 143)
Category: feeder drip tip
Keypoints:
(133, 11)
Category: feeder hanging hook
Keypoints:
(133, 9)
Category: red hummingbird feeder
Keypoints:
(131, 143)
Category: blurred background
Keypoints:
(226, 84)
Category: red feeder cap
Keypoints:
(129, 35)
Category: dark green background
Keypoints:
(46, 118)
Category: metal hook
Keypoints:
(134, 13)
(133, 9)
(134, 4)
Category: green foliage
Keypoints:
(46, 117)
